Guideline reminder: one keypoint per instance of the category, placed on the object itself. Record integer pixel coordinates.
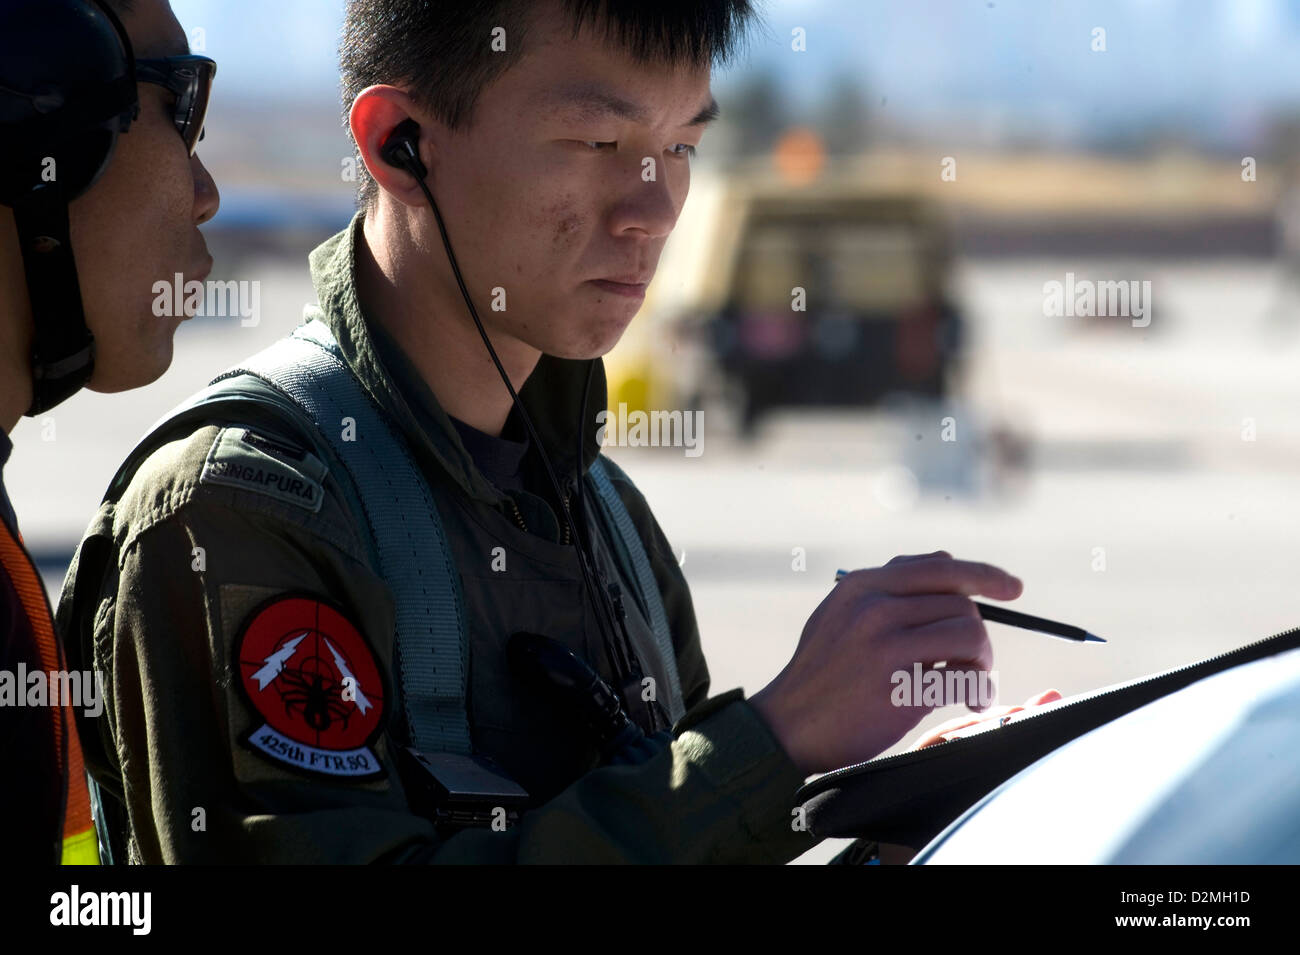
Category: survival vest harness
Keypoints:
(304, 378)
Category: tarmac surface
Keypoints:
(1141, 481)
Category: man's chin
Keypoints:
(599, 343)
(607, 327)
(115, 377)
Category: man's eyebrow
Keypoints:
(593, 102)
(706, 115)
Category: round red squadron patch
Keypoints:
(309, 674)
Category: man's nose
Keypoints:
(206, 196)
(647, 207)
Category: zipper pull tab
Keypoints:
(649, 715)
(616, 596)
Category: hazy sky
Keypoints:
(1218, 66)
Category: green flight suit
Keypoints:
(213, 526)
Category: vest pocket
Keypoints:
(541, 744)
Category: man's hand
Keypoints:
(831, 705)
(940, 733)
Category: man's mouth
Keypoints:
(198, 274)
(624, 285)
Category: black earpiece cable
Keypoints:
(404, 156)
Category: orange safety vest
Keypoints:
(80, 844)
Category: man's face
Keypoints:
(566, 185)
(139, 223)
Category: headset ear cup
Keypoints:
(71, 166)
(67, 89)
(79, 167)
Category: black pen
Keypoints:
(1025, 621)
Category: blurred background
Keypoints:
(923, 172)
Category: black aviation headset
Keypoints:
(67, 91)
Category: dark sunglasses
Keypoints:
(189, 78)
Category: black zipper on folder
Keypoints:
(1248, 653)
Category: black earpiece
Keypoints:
(401, 149)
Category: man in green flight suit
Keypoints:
(230, 592)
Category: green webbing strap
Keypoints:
(414, 557)
(632, 553)
(302, 377)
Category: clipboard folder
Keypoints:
(909, 798)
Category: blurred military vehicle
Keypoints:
(831, 293)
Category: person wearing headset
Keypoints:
(376, 595)
(99, 197)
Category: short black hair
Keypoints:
(441, 49)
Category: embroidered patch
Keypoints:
(309, 674)
(255, 462)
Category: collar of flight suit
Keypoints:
(552, 395)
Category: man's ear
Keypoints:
(376, 112)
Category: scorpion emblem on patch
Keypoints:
(308, 672)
